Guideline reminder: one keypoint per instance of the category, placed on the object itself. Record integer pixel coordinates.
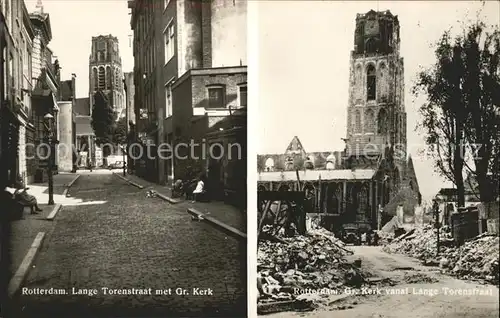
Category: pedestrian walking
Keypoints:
(375, 238)
(90, 164)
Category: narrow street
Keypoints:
(424, 292)
(118, 238)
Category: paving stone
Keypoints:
(131, 241)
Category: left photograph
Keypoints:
(123, 158)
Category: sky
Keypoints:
(74, 23)
(303, 69)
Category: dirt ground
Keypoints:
(421, 292)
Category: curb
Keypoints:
(21, 273)
(129, 181)
(221, 226)
(53, 213)
(73, 181)
(168, 199)
(70, 184)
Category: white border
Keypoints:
(252, 133)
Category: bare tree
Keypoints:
(462, 89)
(481, 89)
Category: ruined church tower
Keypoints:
(376, 114)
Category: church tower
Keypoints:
(105, 72)
(376, 116)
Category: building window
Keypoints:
(11, 71)
(117, 78)
(242, 95)
(95, 78)
(369, 121)
(371, 46)
(382, 122)
(4, 58)
(22, 69)
(357, 121)
(269, 164)
(371, 82)
(30, 67)
(108, 77)
(102, 78)
(169, 42)
(216, 97)
(168, 100)
(357, 75)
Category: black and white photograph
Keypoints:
(377, 158)
(123, 158)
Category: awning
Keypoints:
(44, 101)
(54, 100)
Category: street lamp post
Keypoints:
(124, 164)
(435, 208)
(49, 121)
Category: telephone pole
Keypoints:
(435, 208)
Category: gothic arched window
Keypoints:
(357, 74)
(330, 162)
(117, 78)
(370, 121)
(382, 122)
(357, 121)
(289, 163)
(396, 177)
(102, 77)
(269, 164)
(371, 46)
(382, 69)
(95, 78)
(108, 77)
(371, 82)
(397, 127)
(362, 198)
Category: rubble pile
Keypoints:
(419, 243)
(313, 261)
(477, 258)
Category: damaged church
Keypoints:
(373, 177)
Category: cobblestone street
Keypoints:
(118, 238)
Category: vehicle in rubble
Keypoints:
(351, 234)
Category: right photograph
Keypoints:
(378, 171)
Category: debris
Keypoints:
(477, 258)
(418, 278)
(289, 266)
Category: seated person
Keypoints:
(177, 189)
(199, 192)
(20, 194)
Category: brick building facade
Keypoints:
(194, 35)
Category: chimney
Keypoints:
(73, 85)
